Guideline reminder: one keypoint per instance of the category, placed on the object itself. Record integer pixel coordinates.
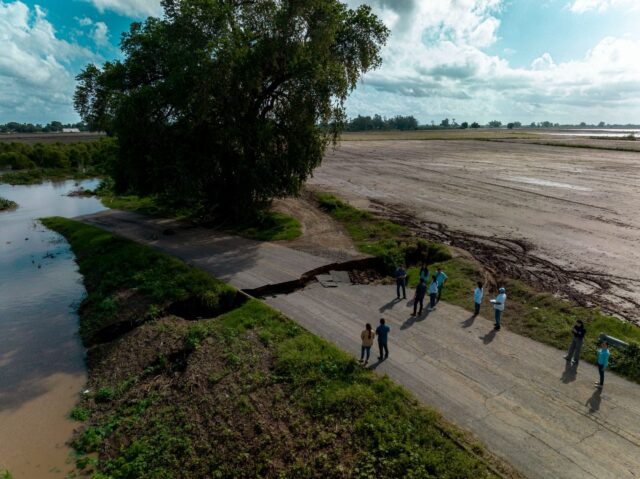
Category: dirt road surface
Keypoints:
(513, 393)
(566, 219)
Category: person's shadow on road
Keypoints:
(375, 365)
(389, 305)
(490, 336)
(594, 401)
(467, 323)
(411, 320)
(570, 372)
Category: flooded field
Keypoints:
(42, 369)
(565, 218)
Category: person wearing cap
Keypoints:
(603, 362)
(578, 332)
(498, 306)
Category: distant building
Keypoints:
(70, 130)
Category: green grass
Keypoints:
(111, 265)
(6, 204)
(5, 475)
(258, 396)
(536, 314)
(270, 226)
(391, 242)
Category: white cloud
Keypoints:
(84, 22)
(132, 8)
(35, 84)
(436, 65)
(581, 6)
(101, 34)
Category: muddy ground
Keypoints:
(564, 219)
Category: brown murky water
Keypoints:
(42, 368)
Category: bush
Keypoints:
(16, 160)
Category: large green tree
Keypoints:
(230, 103)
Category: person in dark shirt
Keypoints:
(401, 281)
(421, 291)
(578, 332)
(382, 332)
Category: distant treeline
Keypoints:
(377, 122)
(92, 155)
(54, 126)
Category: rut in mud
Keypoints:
(504, 258)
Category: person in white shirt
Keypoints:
(478, 293)
(498, 306)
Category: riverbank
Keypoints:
(245, 393)
(532, 313)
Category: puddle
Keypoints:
(553, 184)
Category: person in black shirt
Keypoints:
(421, 292)
(578, 332)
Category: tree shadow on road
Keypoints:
(389, 305)
(490, 336)
(467, 323)
(570, 372)
(594, 401)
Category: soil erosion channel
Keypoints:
(564, 219)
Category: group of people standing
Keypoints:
(434, 288)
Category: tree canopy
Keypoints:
(229, 103)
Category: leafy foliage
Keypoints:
(228, 104)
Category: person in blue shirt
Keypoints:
(478, 293)
(382, 332)
(401, 281)
(424, 273)
(603, 362)
(433, 293)
(441, 277)
(421, 291)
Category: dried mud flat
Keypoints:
(564, 219)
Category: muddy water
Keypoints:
(41, 358)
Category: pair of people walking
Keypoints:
(368, 335)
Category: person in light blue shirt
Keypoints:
(441, 277)
(603, 362)
(478, 293)
(433, 293)
(498, 306)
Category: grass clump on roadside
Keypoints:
(6, 204)
(270, 226)
(118, 271)
(536, 314)
(246, 394)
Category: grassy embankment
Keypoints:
(535, 314)
(6, 204)
(248, 393)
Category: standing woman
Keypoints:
(424, 273)
(367, 341)
(433, 292)
(477, 298)
(603, 362)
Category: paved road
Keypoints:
(513, 393)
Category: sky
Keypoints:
(564, 61)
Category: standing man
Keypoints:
(578, 332)
(382, 332)
(478, 293)
(498, 306)
(603, 362)
(441, 278)
(401, 281)
(421, 291)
